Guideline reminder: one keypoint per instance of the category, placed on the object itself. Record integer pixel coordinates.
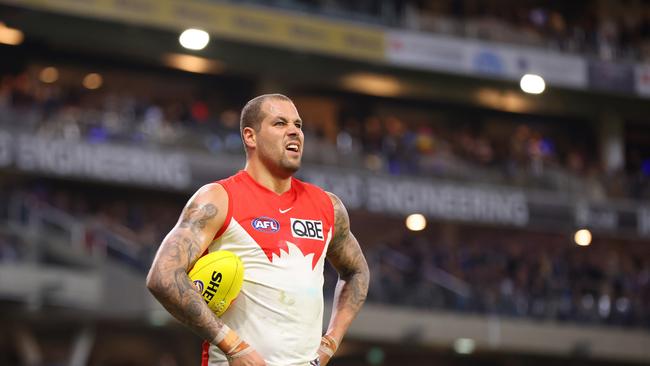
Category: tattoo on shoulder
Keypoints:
(341, 221)
(196, 217)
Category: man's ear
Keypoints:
(249, 137)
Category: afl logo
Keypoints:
(265, 224)
(199, 285)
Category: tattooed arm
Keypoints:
(168, 281)
(345, 255)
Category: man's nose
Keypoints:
(293, 130)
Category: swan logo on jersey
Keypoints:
(265, 224)
(307, 229)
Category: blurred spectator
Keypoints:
(522, 275)
(608, 29)
(524, 154)
(8, 249)
(478, 270)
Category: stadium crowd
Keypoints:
(443, 143)
(9, 248)
(609, 29)
(478, 270)
(484, 272)
(449, 267)
(524, 274)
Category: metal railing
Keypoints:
(46, 228)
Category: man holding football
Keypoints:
(282, 229)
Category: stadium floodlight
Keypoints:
(464, 346)
(93, 81)
(192, 63)
(582, 237)
(416, 222)
(49, 75)
(373, 84)
(10, 36)
(532, 84)
(194, 39)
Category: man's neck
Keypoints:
(267, 179)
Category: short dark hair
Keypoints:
(252, 114)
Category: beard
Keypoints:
(290, 165)
(282, 166)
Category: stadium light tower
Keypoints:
(194, 39)
(532, 84)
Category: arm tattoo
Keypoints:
(346, 256)
(168, 279)
(196, 218)
(341, 223)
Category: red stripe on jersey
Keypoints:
(205, 353)
(226, 222)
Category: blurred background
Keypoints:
(494, 157)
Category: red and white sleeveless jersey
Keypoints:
(282, 241)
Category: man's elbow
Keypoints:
(364, 273)
(360, 274)
(153, 281)
(366, 278)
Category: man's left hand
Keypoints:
(323, 358)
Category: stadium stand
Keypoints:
(443, 142)
(93, 176)
(605, 29)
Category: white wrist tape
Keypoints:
(326, 350)
(223, 332)
(328, 345)
(241, 353)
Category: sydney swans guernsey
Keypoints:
(282, 241)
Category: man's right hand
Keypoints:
(251, 359)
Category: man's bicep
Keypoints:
(201, 218)
(346, 256)
(344, 252)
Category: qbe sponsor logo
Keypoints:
(307, 229)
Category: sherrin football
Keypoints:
(218, 276)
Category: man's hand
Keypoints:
(323, 358)
(250, 359)
(328, 347)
